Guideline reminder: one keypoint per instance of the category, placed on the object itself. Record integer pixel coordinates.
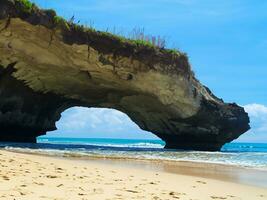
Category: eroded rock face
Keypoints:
(46, 69)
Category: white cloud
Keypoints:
(258, 123)
(98, 123)
(79, 118)
(256, 110)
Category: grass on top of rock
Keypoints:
(60, 21)
(137, 37)
(26, 5)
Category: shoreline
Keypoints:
(134, 159)
(30, 176)
(216, 171)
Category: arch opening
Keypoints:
(97, 123)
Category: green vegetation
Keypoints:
(174, 52)
(26, 5)
(137, 37)
(59, 21)
(140, 42)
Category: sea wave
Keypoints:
(135, 145)
(256, 160)
(129, 145)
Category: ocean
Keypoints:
(248, 155)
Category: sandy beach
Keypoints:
(24, 176)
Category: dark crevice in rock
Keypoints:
(25, 114)
(8, 21)
(51, 37)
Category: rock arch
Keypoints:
(45, 70)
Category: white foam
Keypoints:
(250, 160)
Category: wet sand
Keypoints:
(24, 176)
(235, 174)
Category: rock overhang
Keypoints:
(55, 66)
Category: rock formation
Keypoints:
(48, 65)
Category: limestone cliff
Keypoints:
(48, 65)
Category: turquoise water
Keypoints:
(250, 155)
(107, 142)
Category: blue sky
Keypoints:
(226, 42)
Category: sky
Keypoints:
(226, 42)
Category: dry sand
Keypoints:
(24, 176)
